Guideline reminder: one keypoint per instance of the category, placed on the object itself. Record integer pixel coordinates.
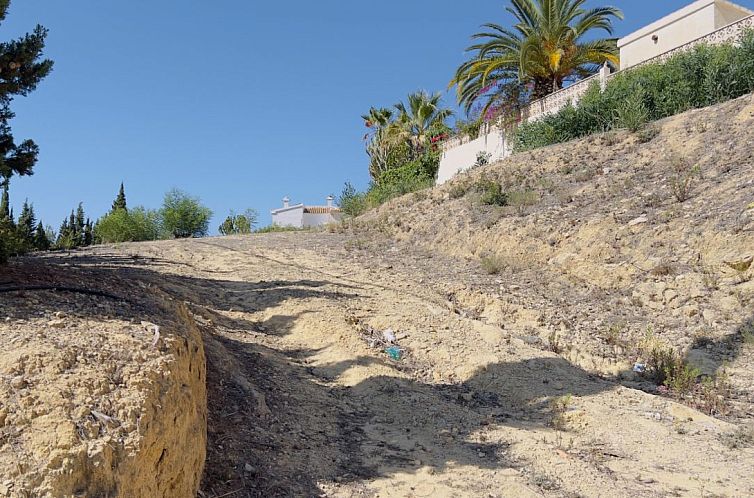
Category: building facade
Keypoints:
(680, 28)
(703, 21)
(301, 216)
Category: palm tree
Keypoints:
(399, 137)
(423, 116)
(544, 49)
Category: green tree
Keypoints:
(88, 234)
(239, 224)
(421, 118)
(41, 240)
(22, 69)
(135, 225)
(26, 226)
(184, 216)
(403, 135)
(5, 203)
(120, 200)
(550, 44)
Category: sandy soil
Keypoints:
(302, 404)
(516, 382)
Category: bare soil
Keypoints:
(517, 383)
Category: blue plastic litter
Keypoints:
(394, 352)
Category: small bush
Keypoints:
(558, 408)
(682, 177)
(278, 228)
(491, 193)
(522, 199)
(632, 113)
(492, 264)
(747, 333)
(458, 189)
(713, 395)
(553, 343)
(482, 159)
(680, 377)
(664, 366)
(647, 133)
(352, 202)
(742, 437)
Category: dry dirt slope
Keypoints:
(303, 400)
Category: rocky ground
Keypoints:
(515, 333)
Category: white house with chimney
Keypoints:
(702, 21)
(301, 216)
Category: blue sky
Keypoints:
(237, 102)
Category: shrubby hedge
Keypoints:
(703, 76)
(133, 225)
(410, 177)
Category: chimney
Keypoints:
(329, 199)
(286, 202)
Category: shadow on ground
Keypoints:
(280, 426)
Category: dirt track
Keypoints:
(301, 405)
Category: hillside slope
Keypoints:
(517, 330)
(595, 250)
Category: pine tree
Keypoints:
(88, 233)
(120, 201)
(41, 241)
(80, 219)
(25, 227)
(5, 203)
(22, 69)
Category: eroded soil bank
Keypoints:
(96, 399)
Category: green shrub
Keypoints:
(699, 77)
(632, 113)
(647, 133)
(352, 202)
(522, 199)
(492, 193)
(239, 224)
(278, 228)
(681, 181)
(133, 225)
(183, 216)
(492, 264)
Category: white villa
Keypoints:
(301, 216)
(680, 28)
(703, 21)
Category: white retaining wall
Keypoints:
(462, 157)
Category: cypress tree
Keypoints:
(22, 69)
(120, 200)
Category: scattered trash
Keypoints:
(389, 336)
(639, 367)
(394, 352)
(385, 340)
